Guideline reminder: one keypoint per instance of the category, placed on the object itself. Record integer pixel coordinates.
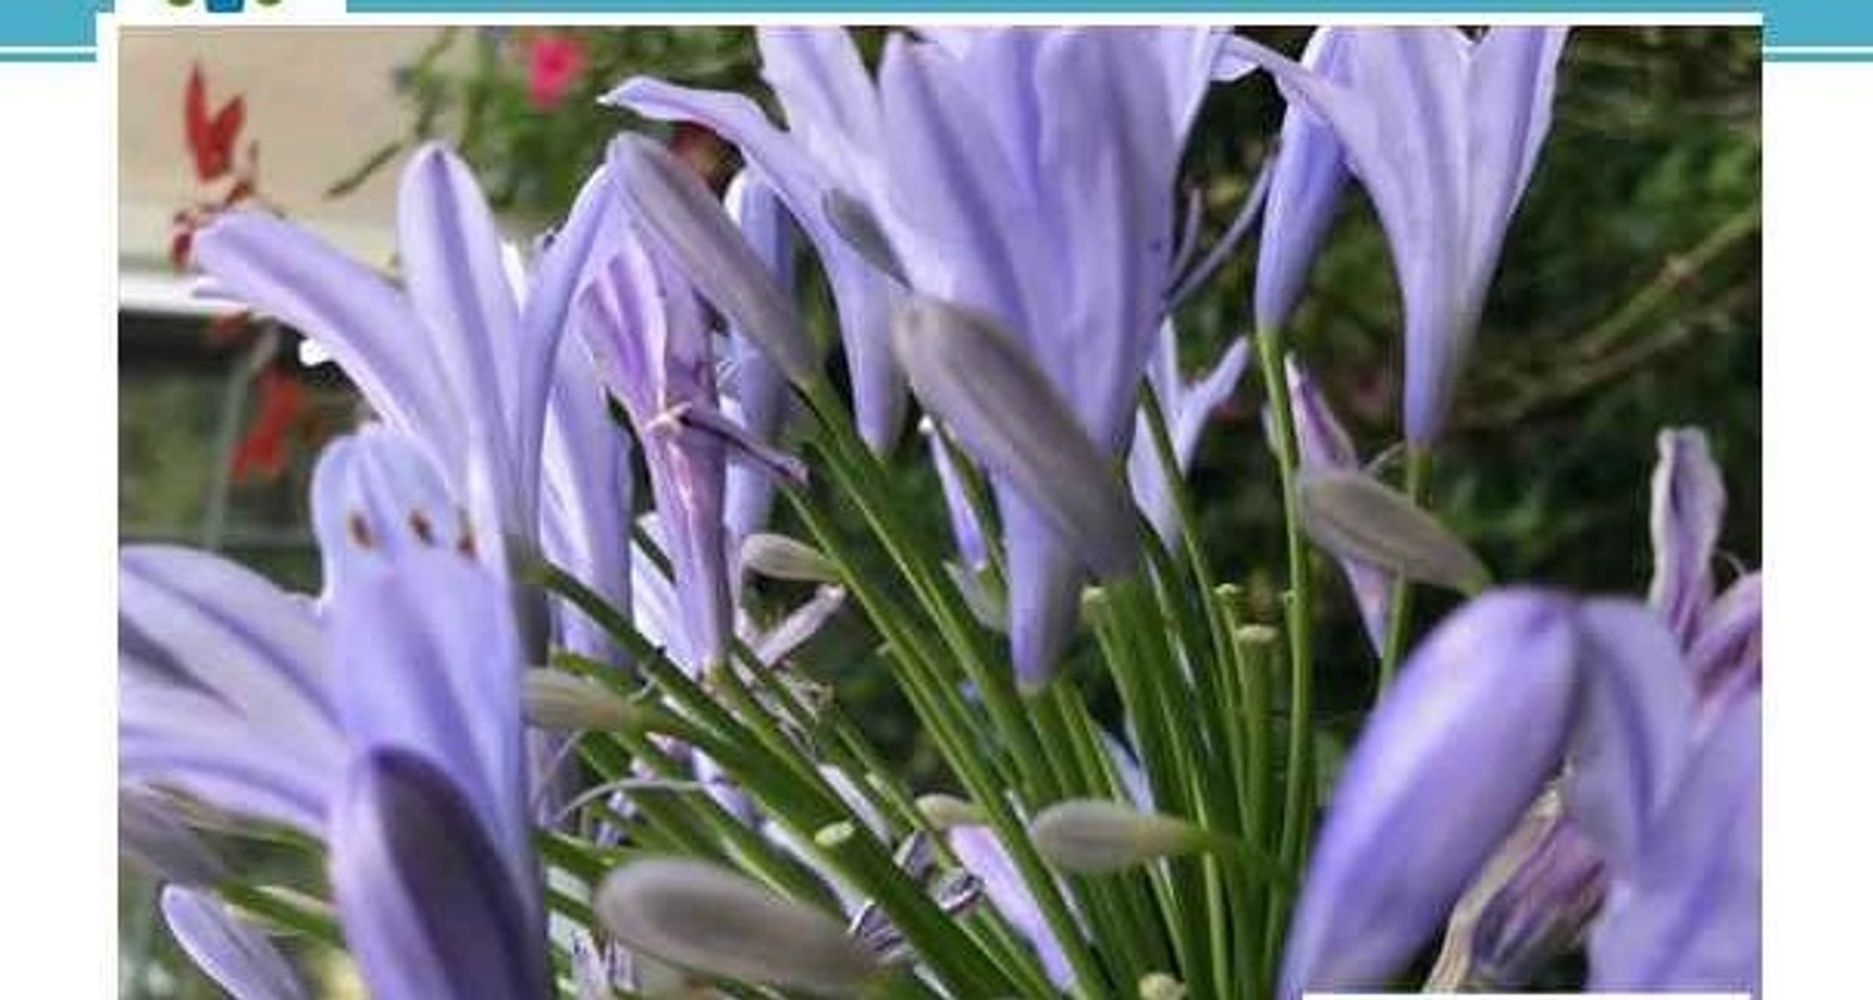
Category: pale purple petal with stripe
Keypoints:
(1634, 728)
(1188, 408)
(428, 662)
(223, 689)
(645, 329)
(1687, 515)
(758, 388)
(351, 311)
(1688, 914)
(1511, 98)
(234, 953)
(981, 854)
(1725, 656)
(1304, 191)
(450, 253)
(429, 903)
(1474, 726)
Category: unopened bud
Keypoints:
(562, 702)
(153, 835)
(1161, 986)
(781, 558)
(706, 918)
(1356, 517)
(834, 834)
(1095, 836)
(945, 811)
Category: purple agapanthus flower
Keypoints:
(391, 705)
(1544, 906)
(1026, 173)
(830, 147)
(1484, 715)
(1032, 177)
(466, 360)
(1443, 131)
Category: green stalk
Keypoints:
(862, 479)
(1295, 819)
(940, 709)
(1398, 614)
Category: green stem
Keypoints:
(1398, 613)
(1295, 818)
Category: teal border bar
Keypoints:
(1818, 22)
(67, 24)
(1143, 7)
(65, 30)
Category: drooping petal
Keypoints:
(234, 953)
(965, 529)
(1442, 133)
(646, 334)
(1474, 726)
(349, 310)
(1304, 191)
(1688, 915)
(429, 904)
(1687, 515)
(1634, 729)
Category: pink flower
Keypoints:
(553, 63)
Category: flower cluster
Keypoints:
(542, 739)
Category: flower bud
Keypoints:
(853, 220)
(150, 832)
(969, 372)
(945, 811)
(687, 222)
(562, 702)
(702, 917)
(1161, 986)
(1096, 836)
(779, 557)
(1356, 517)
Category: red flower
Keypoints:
(211, 137)
(261, 453)
(553, 62)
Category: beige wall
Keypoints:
(318, 102)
